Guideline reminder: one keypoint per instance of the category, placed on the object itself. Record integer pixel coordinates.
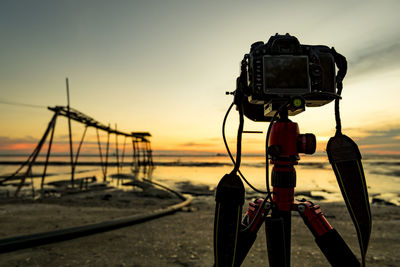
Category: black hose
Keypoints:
(26, 241)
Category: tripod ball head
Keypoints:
(306, 143)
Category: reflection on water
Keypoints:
(59, 177)
(314, 173)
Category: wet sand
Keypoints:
(184, 238)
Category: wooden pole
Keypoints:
(116, 148)
(36, 153)
(79, 147)
(134, 152)
(70, 136)
(48, 153)
(123, 153)
(107, 150)
(141, 152)
(101, 155)
(116, 152)
(149, 154)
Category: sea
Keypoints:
(315, 176)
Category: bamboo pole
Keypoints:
(123, 153)
(70, 136)
(79, 147)
(138, 153)
(149, 154)
(48, 154)
(101, 154)
(136, 147)
(141, 154)
(107, 150)
(36, 153)
(133, 152)
(116, 149)
(116, 153)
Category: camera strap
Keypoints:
(345, 158)
(228, 209)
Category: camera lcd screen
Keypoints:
(286, 75)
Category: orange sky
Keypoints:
(164, 67)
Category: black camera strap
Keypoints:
(228, 209)
(229, 200)
(345, 158)
(341, 63)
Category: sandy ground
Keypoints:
(184, 238)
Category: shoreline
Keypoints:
(181, 239)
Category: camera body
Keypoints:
(282, 69)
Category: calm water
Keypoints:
(314, 173)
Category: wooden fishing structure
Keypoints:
(141, 147)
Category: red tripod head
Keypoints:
(285, 144)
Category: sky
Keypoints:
(164, 67)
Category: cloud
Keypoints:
(12, 145)
(381, 56)
(381, 140)
(195, 144)
(26, 139)
(26, 145)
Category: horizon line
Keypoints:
(175, 153)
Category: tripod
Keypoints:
(233, 239)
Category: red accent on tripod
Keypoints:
(284, 155)
(284, 137)
(313, 218)
(255, 215)
(283, 198)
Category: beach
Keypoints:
(184, 238)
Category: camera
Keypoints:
(281, 70)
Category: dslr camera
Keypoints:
(283, 70)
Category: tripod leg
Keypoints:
(336, 250)
(251, 223)
(327, 238)
(277, 230)
(275, 233)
